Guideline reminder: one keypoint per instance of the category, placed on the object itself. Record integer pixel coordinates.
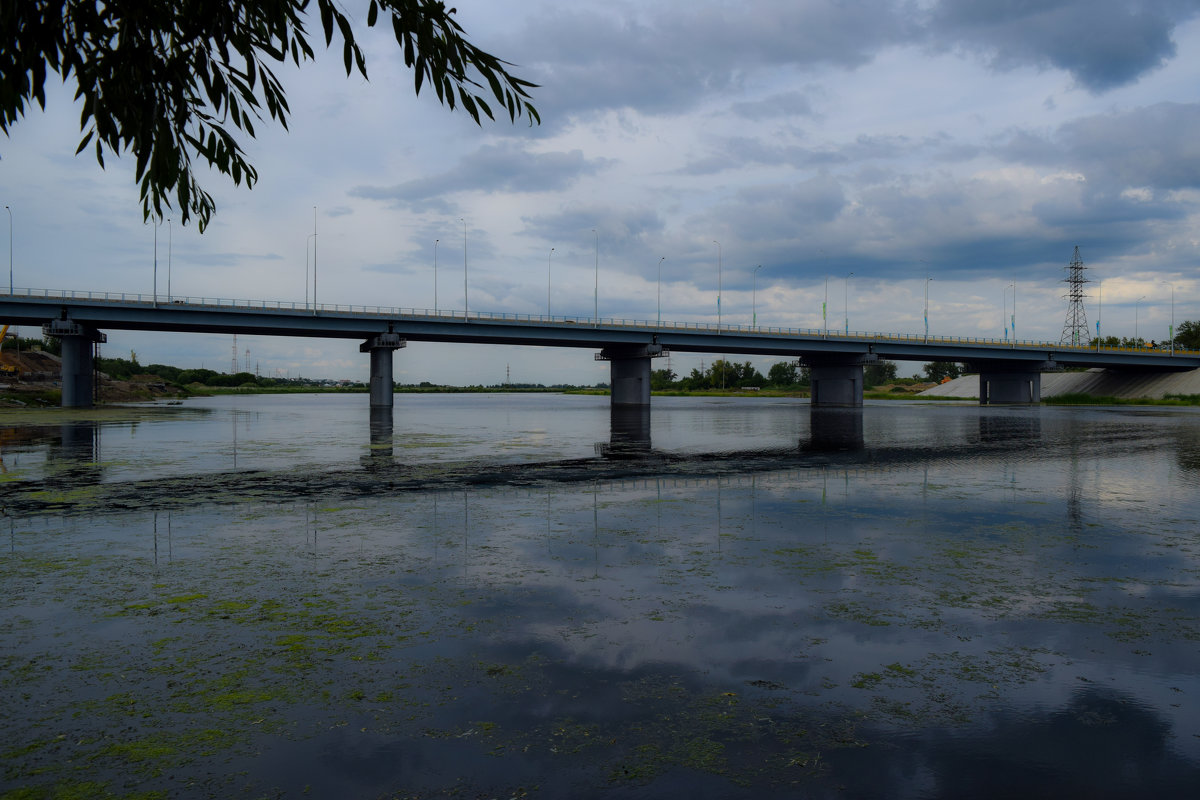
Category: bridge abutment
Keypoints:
(78, 364)
(629, 373)
(381, 348)
(1012, 383)
(837, 380)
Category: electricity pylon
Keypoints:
(1075, 329)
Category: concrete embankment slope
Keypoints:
(1096, 382)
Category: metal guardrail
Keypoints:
(391, 312)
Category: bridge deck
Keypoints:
(128, 311)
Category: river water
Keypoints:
(523, 596)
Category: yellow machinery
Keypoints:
(8, 370)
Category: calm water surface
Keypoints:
(520, 595)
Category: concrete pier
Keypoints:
(381, 348)
(837, 380)
(629, 372)
(1011, 383)
(78, 367)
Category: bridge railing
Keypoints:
(392, 312)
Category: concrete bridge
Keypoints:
(1009, 371)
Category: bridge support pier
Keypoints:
(629, 372)
(1012, 383)
(381, 348)
(837, 380)
(78, 365)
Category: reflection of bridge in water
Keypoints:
(73, 454)
(1009, 371)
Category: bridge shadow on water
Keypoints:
(73, 457)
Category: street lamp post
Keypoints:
(307, 244)
(466, 306)
(155, 273)
(824, 308)
(664, 258)
(846, 302)
(927, 280)
(1099, 310)
(548, 280)
(10, 250)
(170, 238)
(1171, 329)
(1136, 303)
(718, 244)
(1011, 320)
(1004, 312)
(1014, 313)
(754, 297)
(435, 302)
(314, 235)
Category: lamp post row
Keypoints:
(596, 289)
(1010, 327)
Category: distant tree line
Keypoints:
(25, 344)
(1187, 337)
(123, 369)
(784, 375)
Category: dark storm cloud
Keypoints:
(737, 153)
(774, 225)
(787, 104)
(670, 59)
(506, 167)
(900, 227)
(1103, 44)
(1107, 181)
(624, 236)
(1153, 147)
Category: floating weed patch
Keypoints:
(861, 613)
(1074, 611)
(186, 598)
(901, 670)
(77, 790)
(141, 751)
(866, 680)
(243, 697)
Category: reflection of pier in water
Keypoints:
(833, 440)
(830, 429)
(380, 441)
(74, 454)
(72, 450)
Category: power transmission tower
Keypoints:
(1075, 329)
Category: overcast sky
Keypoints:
(973, 142)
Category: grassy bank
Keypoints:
(1081, 399)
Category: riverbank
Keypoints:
(1101, 385)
